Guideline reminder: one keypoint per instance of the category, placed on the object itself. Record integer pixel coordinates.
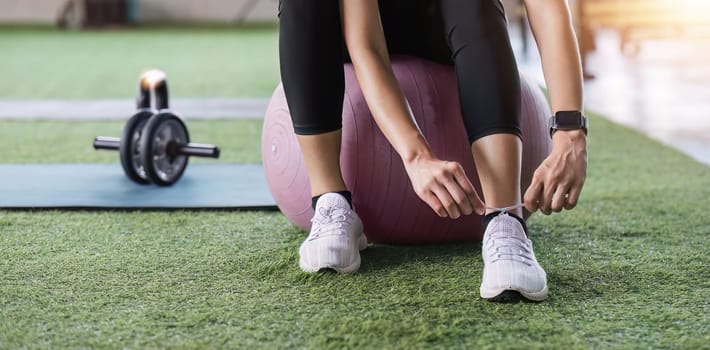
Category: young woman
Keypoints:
(318, 36)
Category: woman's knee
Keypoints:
(485, 66)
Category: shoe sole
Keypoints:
(352, 268)
(513, 296)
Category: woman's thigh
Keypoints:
(415, 28)
(310, 52)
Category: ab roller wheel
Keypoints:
(155, 144)
(128, 147)
(164, 135)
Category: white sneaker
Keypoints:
(510, 268)
(336, 237)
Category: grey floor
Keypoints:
(662, 91)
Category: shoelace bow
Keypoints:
(330, 221)
(515, 247)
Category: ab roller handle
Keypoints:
(190, 149)
(107, 142)
(155, 144)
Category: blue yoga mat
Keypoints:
(104, 186)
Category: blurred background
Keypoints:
(646, 62)
(103, 13)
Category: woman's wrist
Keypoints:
(569, 140)
(577, 135)
(415, 150)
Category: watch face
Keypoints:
(569, 120)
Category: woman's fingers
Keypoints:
(447, 200)
(435, 204)
(546, 201)
(532, 195)
(559, 198)
(468, 189)
(444, 187)
(572, 197)
(459, 197)
(456, 190)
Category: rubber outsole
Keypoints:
(514, 296)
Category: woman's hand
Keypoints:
(444, 187)
(557, 182)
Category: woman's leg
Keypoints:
(311, 54)
(489, 85)
(310, 50)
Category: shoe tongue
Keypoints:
(507, 226)
(332, 200)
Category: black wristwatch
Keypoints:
(568, 120)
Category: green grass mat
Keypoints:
(627, 269)
(45, 141)
(200, 62)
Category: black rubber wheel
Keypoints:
(162, 136)
(129, 148)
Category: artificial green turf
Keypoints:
(200, 62)
(48, 141)
(627, 269)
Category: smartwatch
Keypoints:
(568, 120)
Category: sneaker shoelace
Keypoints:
(507, 247)
(506, 209)
(330, 221)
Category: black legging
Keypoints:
(471, 34)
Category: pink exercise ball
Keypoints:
(383, 196)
